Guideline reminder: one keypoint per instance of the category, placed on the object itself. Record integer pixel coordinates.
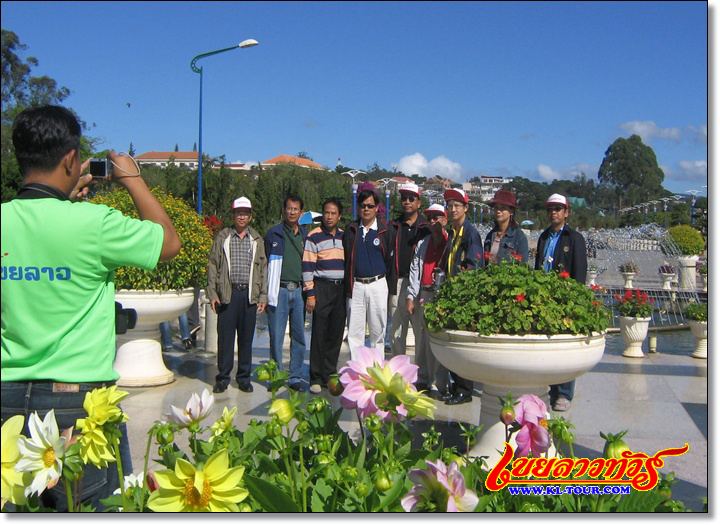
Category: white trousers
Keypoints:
(367, 306)
(400, 319)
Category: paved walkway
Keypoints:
(662, 400)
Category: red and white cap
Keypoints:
(435, 209)
(456, 194)
(556, 198)
(242, 202)
(410, 188)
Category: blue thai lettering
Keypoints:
(4, 273)
(16, 273)
(32, 273)
(62, 271)
(49, 271)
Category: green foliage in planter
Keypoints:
(510, 298)
(628, 267)
(697, 312)
(188, 269)
(687, 239)
(703, 268)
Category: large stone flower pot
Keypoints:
(139, 359)
(628, 276)
(667, 279)
(591, 276)
(513, 363)
(634, 331)
(686, 272)
(699, 331)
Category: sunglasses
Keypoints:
(410, 198)
(555, 208)
(367, 206)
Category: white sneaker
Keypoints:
(315, 389)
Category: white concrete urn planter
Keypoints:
(703, 276)
(513, 363)
(634, 331)
(628, 276)
(591, 276)
(686, 272)
(699, 331)
(139, 359)
(667, 279)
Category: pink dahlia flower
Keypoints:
(440, 489)
(530, 413)
(375, 386)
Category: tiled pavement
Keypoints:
(662, 400)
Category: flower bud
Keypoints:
(335, 387)
(507, 415)
(283, 410)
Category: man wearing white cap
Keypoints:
(432, 376)
(237, 290)
(562, 249)
(409, 228)
(464, 251)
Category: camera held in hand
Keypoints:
(100, 168)
(125, 318)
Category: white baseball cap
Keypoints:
(556, 198)
(242, 202)
(435, 209)
(410, 188)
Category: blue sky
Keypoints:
(459, 89)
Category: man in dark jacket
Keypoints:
(408, 229)
(562, 249)
(368, 245)
(464, 251)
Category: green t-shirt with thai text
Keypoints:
(58, 292)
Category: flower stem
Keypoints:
(145, 468)
(118, 459)
(69, 495)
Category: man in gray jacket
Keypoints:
(237, 290)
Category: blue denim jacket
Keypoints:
(513, 242)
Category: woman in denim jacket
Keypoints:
(506, 240)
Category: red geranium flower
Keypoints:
(564, 274)
(520, 298)
(487, 256)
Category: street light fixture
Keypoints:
(245, 43)
(692, 205)
(354, 173)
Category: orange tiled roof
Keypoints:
(158, 155)
(294, 160)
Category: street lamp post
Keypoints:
(245, 43)
(692, 205)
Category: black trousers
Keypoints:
(236, 317)
(462, 385)
(327, 330)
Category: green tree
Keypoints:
(131, 150)
(176, 148)
(21, 90)
(630, 168)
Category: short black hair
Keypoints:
(295, 198)
(364, 194)
(335, 201)
(43, 136)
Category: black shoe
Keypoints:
(439, 396)
(245, 386)
(459, 399)
(188, 344)
(422, 386)
(220, 387)
(297, 387)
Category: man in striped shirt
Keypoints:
(323, 272)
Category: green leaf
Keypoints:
(639, 501)
(321, 497)
(269, 496)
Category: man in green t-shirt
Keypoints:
(58, 293)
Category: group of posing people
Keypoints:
(361, 276)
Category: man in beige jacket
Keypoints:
(237, 290)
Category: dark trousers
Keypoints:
(193, 315)
(462, 385)
(24, 398)
(566, 390)
(236, 317)
(327, 331)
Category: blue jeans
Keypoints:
(24, 398)
(566, 390)
(166, 333)
(290, 304)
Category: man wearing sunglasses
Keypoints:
(368, 245)
(409, 228)
(562, 249)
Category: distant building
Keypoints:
(234, 167)
(289, 159)
(489, 185)
(183, 159)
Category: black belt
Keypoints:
(290, 285)
(240, 286)
(329, 281)
(58, 386)
(430, 288)
(368, 280)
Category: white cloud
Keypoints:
(547, 174)
(249, 163)
(418, 164)
(699, 134)
(647, 129)
(695, 170)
